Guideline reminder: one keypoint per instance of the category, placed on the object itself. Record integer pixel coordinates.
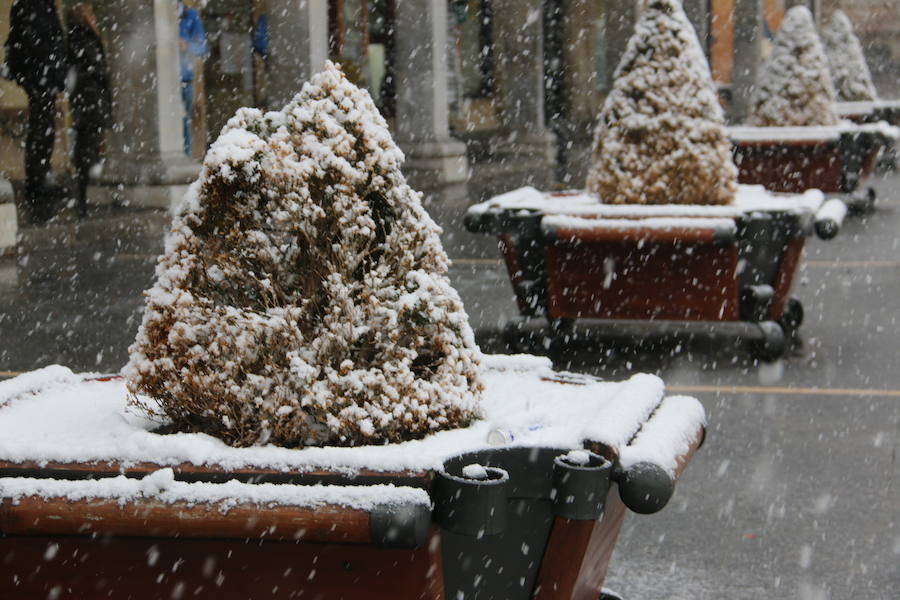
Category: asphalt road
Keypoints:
(796, 493)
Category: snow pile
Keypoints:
(573, 209)
(91, 421)
(303, 298)
(849, 71)
(794, 87)
(661, 137)
(663, 436)
(556, 222)
(35, 382)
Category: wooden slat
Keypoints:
(655, 281)
(560, 567)
(668, 235)
(79, 568)
(216, 473)
(790, 167)
(41, 516)
(790, 260)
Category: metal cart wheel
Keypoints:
(791, 318)
(512, 334)
(771, 344)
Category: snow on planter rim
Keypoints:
(749, 198)
(655, 223)
(89, 421)
(746, 133)
(161, 486)
(865, 106)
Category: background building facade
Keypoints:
(482, 95)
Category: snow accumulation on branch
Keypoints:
(303, 298)
(794, 87)
(661, 135)
(849, 71)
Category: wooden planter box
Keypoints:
(532, 529)
(657, 267)
(837, 159)
(887, 111)
(870, 112)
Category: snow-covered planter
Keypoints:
(107, 505)
(871, 111)
(836, 159)
(663, 237)
(305, 413)
(795, 139)
(658, 268)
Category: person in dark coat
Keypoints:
(89, 94)
(36, 59)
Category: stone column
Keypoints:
(523, 139)
(748, 35)
(298, 46)
(582, 102)
(620, 18)
(9, 225)
(433, 158)
(145, 164)
(697, 12)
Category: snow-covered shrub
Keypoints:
(794, 87)
(661, 137)
(849, 71)
(302, 298)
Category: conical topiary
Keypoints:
(661, 138)
(794, 87)
(303, 298)
(849, 71)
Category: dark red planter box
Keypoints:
(870, 112)
(736, 270)
(52, 546)
(795, 159)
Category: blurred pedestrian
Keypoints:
(90, 94)
(36, 59)
(193, 46)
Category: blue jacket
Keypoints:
(261, 36)
(190, 29)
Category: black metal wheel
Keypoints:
(512, 334)
(771, 344)
(791, 318)
(609, 595)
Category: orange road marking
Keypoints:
(476, 261)
(786, 391)
(852, 263)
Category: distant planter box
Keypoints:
(876, 111)
(837, 159)
(658, 268)
(870, 111)
(526, 503)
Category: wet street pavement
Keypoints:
(796, 493)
